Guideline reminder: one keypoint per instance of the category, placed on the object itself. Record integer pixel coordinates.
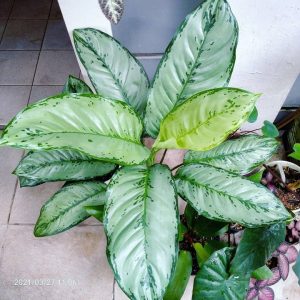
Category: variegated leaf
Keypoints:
(101, 128)
(240, 155)
(223, 196)
(141, 224)
(113, 71)
(201, 56)
(112, 9)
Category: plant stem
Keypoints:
(163, 156)
(176, 167)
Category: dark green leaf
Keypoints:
(262, 273)
(213, 282)
(97, 211)
(65, 209)
(181, 232)
(270, 130)
(76, 85)
(256, 247)
(59, 165)
(253, 116)
(179, 281)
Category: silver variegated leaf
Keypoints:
(101, 128)
(224, 196)
(240, 155)
(113, 71)
(66, 208)
(141, 224)
(60, 165)
(201, 56)
(112, 9)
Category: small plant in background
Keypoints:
(112, 9)
(94, 142)
(296, 153)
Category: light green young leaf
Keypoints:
(76, 85)
(269, 129)
(296, 153)
(60, 165)
(214, 282)
(201, 56)
(66, 208)
(262, 273)
(113, 71)
(206, 119)
(240, 155)
(256, 177)
(256, 247)
(223, 196)
(101, 128)
(141, 225)
(181, 277)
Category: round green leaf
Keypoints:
(141, 225)
(101, 128)
(269, 129)
(253, 116)
(223, 196)
(206, 119)
(201, 56)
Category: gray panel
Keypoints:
(150, 65)
(148, 26)
(293, 98)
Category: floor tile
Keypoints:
(31, 9)
(29, 200)
(40, 92)
(12, 100)
(150, 66)
(55, 13)
(57, 36)
(17, 67)
(2, 26)
(148, 26)
(9, 159)
(73, 263)
(3, 229)
(5, 8)
(23, 35)
(54, 67)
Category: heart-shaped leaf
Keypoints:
(66, 208)
(240, 155)
(214, 282)
(60, 165)
(101, 128)
(141, 225)
(113, 71)
(112, 9)
(256, 247)
(223, 196)
(181, 277)
(76, 85)
(206, 119)
(201, 56)
(269, 129)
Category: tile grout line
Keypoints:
(114, 289)
(10, 12)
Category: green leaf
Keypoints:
(76, 85)
(206, 119)
(203, 253)
(101, 128)
(97, 211)
(270, 130)
(201, 56)
(240, 155)
(112, 9)
(113, 71)
(296, 153)
(201, 226)
(253, 116)
(256, 177)
(296, 268)
(256, 247)
(262, 273)
(141, 225)
(223, 196)
(181, 277)
(65, 209)
(181, 232)
(60, 165)
(214, 282)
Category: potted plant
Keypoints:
(94, 142)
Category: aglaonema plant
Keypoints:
(93, 141)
